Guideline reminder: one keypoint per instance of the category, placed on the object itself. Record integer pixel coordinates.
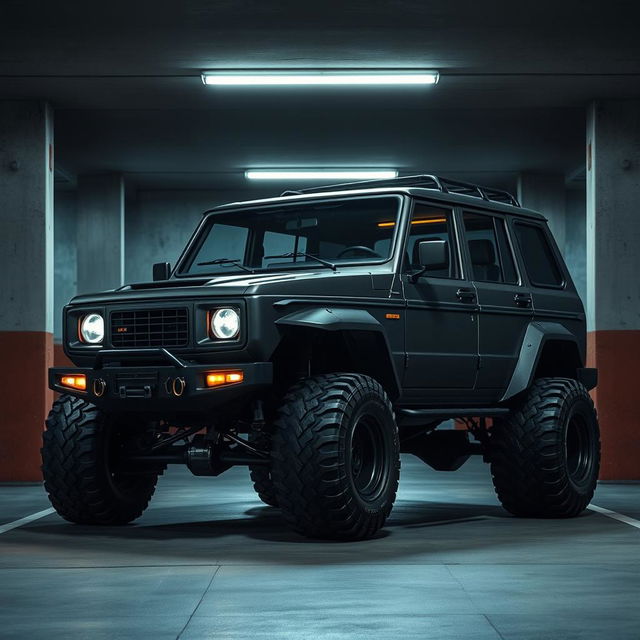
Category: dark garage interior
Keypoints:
(111, 149)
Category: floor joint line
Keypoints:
(193, 613)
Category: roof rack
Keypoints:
(426, 181)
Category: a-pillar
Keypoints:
(26, 284)
(613, 282)
(546, 193)
(100, 232)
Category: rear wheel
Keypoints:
(336, 458)
(545, 456)
(79, 448)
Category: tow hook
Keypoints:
(99, 387)
(178, 386)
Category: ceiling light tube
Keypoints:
(265, 77)
(320, 174)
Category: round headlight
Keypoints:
(225, 324)
(92, 328)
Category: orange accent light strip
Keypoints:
(78, 382)
(392, 316)
(427, 221)
(218, 378)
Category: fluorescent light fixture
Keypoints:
(320, 174)
(361, 77)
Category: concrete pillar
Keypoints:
(545, 192)
(65, 258)
(26, 284)
(100, 232)
(575, 246)
(613, 285)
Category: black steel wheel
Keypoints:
(80, 444)
(336, 456)
(369, 461)
(545, 457)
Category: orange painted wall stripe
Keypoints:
(617, 356)
(25, 401)
(59, 357)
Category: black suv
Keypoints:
(314, 337)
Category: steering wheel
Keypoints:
(359, 249)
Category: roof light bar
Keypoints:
(320, 174)
(265, 77)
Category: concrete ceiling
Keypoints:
(124, 80)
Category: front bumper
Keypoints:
(152, 389)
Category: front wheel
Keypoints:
(336, 456)
(545, 456)
(79, 447)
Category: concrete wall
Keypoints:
(158, 224)
(575, 245)
(65, 255)
(100, 232)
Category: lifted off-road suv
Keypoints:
(314, 337)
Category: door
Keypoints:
(441, 315)
(554, 294)
(506, 305)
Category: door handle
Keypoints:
(522, 299)
(466, 295)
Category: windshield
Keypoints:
(319, 235)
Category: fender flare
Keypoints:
(535, 337)
(343, 319)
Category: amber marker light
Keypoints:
(218, 378)
(78, 382)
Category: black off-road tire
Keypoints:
(336, 456)
(545, 456)
(261, 475)
(77, 446)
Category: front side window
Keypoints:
(539, 260)
(430, 223)
(299, 235)
(491, 258)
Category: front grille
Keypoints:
(150, 328)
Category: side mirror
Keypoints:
(161, 271)
(433, 254)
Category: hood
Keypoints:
(285, 282)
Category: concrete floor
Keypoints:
(208, 560)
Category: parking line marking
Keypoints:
(615, 515)
(26, 520)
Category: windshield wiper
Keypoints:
(233, 261)
(298, 254)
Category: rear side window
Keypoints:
(491, 258)
(539, 260)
